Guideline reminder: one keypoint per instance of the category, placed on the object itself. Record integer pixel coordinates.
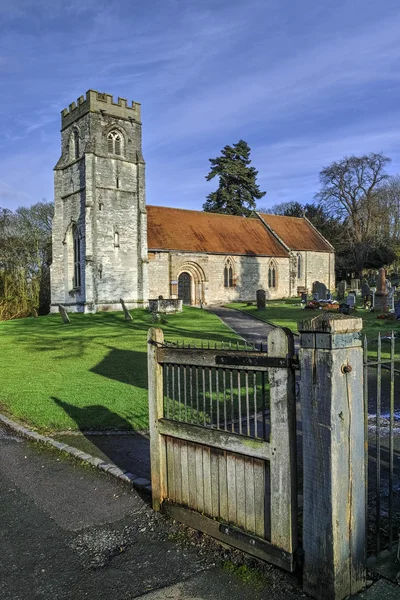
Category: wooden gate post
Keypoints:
(331, 395)
(156, 411)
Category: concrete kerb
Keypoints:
(140, 483)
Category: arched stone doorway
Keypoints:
(185, 288)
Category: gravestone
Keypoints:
(319, 290)
(261, 296)
(391, 300)
(303, 298)
(381, 294)
(355, 284)
(397, 309)
(128, 316)
(365, 291)
(341, 290)
(351, 300)
(64, 314)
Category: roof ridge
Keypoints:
(198, 211)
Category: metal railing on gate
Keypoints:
(382, 434)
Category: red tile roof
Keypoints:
(197, 231)
(297, 233)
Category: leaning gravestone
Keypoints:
(64, 314)
(260, 295)
(128, 316)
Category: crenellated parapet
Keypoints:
(101, 103)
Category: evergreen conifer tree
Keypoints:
(237, 190)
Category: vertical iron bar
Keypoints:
(391, 440)
(179, 395)
(211, 394)
(191, 393)
(224, 384)
(167, 399)
(232, 401)
(378, 444)
(239, 402)
(204, 394)
(197, 395)
(255, 404)
(263, 403)
(217, 393)
(185, 392)
(366, 457)
(246, 378)
(173, 391)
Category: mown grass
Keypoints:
(289, 313)
(91, 373)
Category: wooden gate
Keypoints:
(223, 442)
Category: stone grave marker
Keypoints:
(397, 309)
(365, 290)
(355, 284)
(261, 296)
(351, 300)
(63, 313)
(319, 290)
(341, 290)
(128, 316)
(391, 300)
(303, 298)
(381, 294)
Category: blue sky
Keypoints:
(304, 83)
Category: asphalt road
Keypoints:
(69, 532)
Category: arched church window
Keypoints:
(272, 276)
(77, 257)
(299, 266)
(115, 143)
(228, 274)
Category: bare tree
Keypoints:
(349, 191)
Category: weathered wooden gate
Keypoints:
(223, 442)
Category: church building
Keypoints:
(107, 244)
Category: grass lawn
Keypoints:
(91, 373)
(288, 313)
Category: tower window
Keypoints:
(74, 149)
(76, 143)
(77, 258)
(116, 239)
(115, 143)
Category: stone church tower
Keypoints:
(99, 227)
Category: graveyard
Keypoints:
(92, 370)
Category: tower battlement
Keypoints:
(102, 103)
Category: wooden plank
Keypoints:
(178, 471)
(191, 449)
(240, 493)
(207, 481)
(223, 487)
(156, 412)
(283, 445)
(250, 524)
(185, 474)
(253, 361)
(251, 544)
(259, 497)
(170, 468)
(224, 440)
(231, 485)
(214, 466)
(199, 478)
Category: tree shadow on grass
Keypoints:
(119, 444)
(126, 366)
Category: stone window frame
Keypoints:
(229, 273)
(76, 241)
(115, 140)
(299, 266)
(273, 275)
(74, 144)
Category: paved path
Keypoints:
(69, 532)
(251, 329)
